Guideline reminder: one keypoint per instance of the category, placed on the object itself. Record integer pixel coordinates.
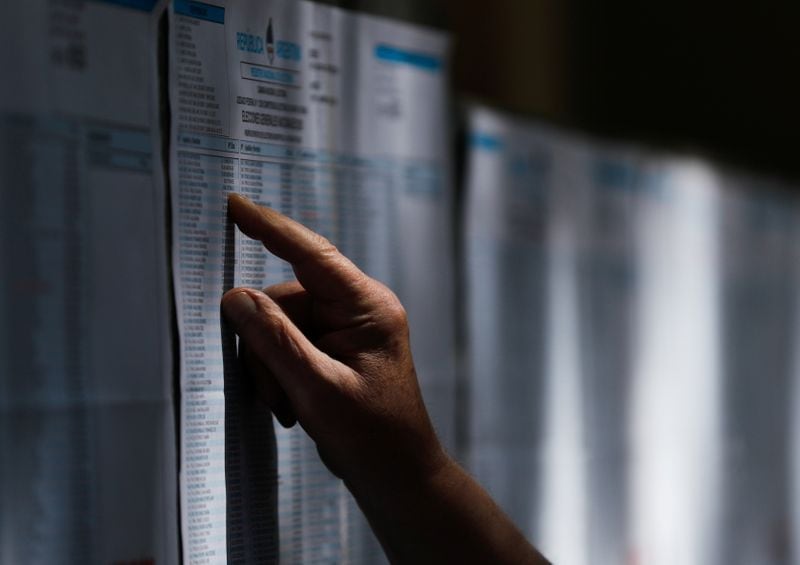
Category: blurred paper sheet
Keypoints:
(88, 464)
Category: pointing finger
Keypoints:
(320, 268)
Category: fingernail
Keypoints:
(238, 307)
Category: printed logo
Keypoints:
(266, 44)
(288, 51)
(249, 43)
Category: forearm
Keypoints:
(442, 518)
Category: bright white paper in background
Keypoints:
(551, 278)
(675, 415)
(340, 121)
(505, 254)
(629, 347)
(526, 433)
(87, 449)
(591, 336)
(562, 515)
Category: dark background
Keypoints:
(713, 78)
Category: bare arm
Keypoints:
(331, 351)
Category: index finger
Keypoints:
(319, 267)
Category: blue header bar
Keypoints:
(143, 5)
(485, 141)
(208, 142)
(268, 74)
(201, 11)
(415, 59)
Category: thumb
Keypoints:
(298, 366)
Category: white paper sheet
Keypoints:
(87, 448)
(675, 415)
(526, 419)
(338, 120)
(625, 396)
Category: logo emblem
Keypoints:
(270, 43)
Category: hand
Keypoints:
(332, 350)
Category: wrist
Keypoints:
(397, 482)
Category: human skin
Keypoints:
(331, 351)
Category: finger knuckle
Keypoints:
(325, 247)
(393, 310)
